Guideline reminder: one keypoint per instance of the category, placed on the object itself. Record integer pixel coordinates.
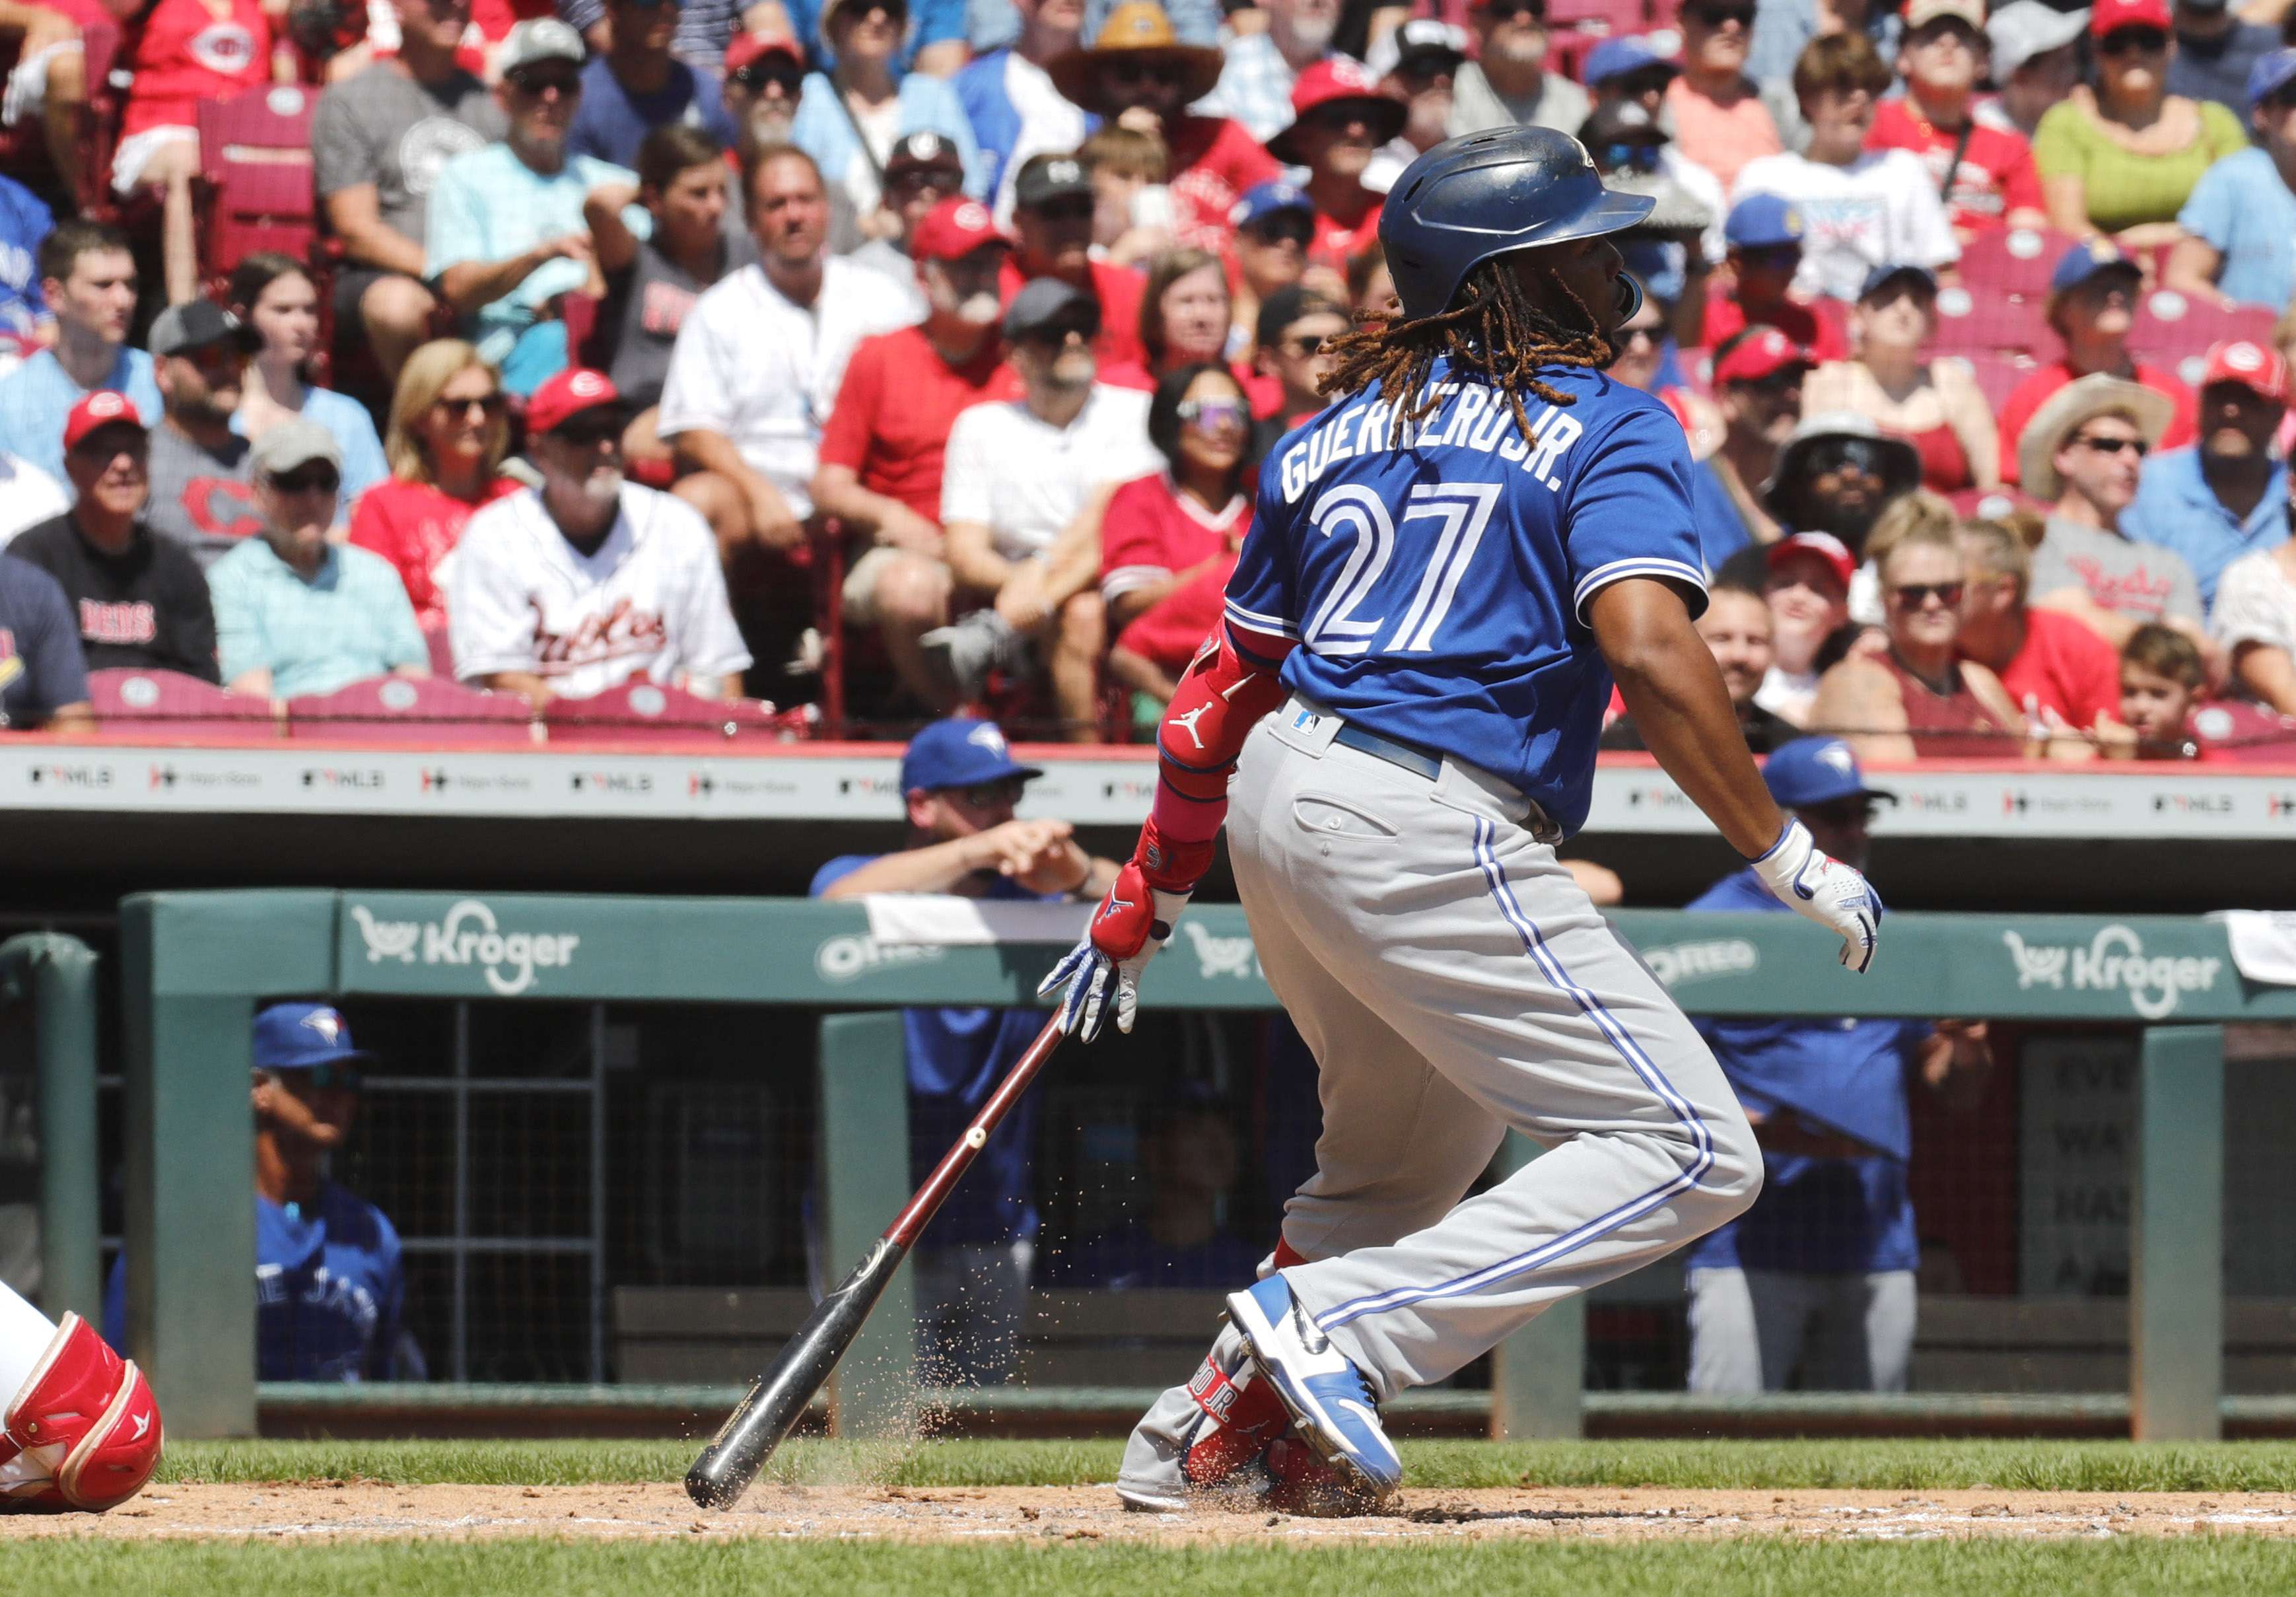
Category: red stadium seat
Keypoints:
(408, 710)
(1998, 375)
(2013, 263)
(645, 712)
(2175, 331)
(255, 169)
(166, 703)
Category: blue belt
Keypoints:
(1418, 761)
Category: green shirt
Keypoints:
(350, 623)
(2123, 189)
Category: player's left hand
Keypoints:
(1132, 923)
(1821, 888)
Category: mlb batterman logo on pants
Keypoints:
(1443, 572)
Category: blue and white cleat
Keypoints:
(1322, 1390)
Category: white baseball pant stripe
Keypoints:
(1452, 981)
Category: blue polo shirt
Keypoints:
(2242, 210)
(2175, 508)
(37, 395)
(956, 1058)
(1827, 1216)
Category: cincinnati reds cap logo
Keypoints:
(1349, 75)
(2242, 357)
(106, 404)
(924, 144)
(971, 216)
(586, 385)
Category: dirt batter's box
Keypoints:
(196, 964)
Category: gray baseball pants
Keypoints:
(1452, 981)
(1849, 1331)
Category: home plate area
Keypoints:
(356, 1510)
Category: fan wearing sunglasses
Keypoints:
(1507, 84)
(848, 118)
(329, 1286)
(1864, 207)
(1340, 120)
(1720, 120)
(2089, 444)
(296, 613)
(2124, 156)
(1298, 328)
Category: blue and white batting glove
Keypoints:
(1818, 887)
(1133, 922)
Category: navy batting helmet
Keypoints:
(1471, 198)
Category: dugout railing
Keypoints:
(196, 964)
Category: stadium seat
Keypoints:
(410, 710)
(1997, 375)
(167, 702)
(256, 185)
(2013, 263)
(645, 712)
(2176, 331)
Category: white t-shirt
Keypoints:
(1025, 479)
(2256, 603)
(1051, 124)
(764, 371)
(1881, 210)
(651, 602)
(29, 495)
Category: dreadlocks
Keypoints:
(1492, 329)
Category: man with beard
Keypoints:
(202, 493)
(566, 590)
(1255, 86)
(1052, 217)
(765, 82)
(1737, 627)
(1338, 121)
(1019, 473)
(881, 452)
(2089, 444)
(2229, 497)
(759, 362)
(504, 235)
(1758, 379)
(1836, 473)
(1139, 75)
(1506, 86)
(1818, 1275)
(1417, 63)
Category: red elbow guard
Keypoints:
(1220, 699)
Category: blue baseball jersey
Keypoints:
(1817, 1214)
(329, 1289)
(1438, 589)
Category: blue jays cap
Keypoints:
(1617, 56)
(1763, 222)
(2271, 73)
(2086, 259)
(1264, 199)
(1817, 770)
(958, 753)
(302, 1037)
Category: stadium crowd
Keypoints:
(940, 350)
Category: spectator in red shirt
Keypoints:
(449, 430)
(882, 451)
(1138, 74)
(1992, 181)
(1340, 118)
(1051, 214)
(2093, 305)
(2060, 675)
(1186, 317)
(1169, 541)
(187, 52)
(1763, 237)
(1274, 226)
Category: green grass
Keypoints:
(2140, 1567)
(1876, 1465)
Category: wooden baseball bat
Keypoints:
(775, 1405)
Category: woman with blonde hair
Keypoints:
(449, 431)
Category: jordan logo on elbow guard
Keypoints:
(1187, 723)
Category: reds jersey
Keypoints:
(187, 54)
(1439, 590)
(651, 602)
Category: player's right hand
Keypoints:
(1821, 888)
(1132, 923)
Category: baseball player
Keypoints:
(80, 1430)
(1449, 566)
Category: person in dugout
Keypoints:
(329, 1282)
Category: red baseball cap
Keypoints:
(748, 48)
(102, 409)
(1337, 77)
(1824, 545)
(2247, 363)
(567, 395)
(2109, 14)
(953, 228)
(1765, 351)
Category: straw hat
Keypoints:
(2063, 413)
(1136, 30)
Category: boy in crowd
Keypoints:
(1763, 237)
(2161, 679)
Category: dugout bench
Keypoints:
(196, 964)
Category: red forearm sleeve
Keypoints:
(1221, 697)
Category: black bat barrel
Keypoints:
(777, 1402)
